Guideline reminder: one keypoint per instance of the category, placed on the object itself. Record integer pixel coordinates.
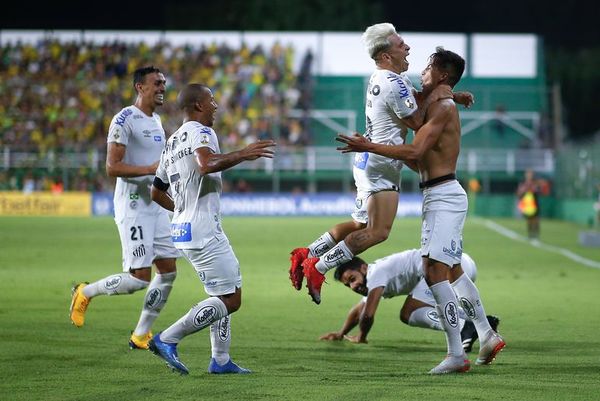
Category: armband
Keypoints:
(159, 184)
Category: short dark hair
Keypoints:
(353, 264)
(448, 62)
(192, 93)
(139, 75)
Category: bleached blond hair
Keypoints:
(376, 37)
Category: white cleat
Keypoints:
(452, 364)
(489, 349)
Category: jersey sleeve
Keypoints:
(376, 277)
(400, 97)
(120, 128)
(205, 137)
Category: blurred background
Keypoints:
(296, 72)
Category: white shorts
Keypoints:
(444, 213)
(217, 266)
(145, 238)
(422, 293)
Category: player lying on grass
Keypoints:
(397, 274)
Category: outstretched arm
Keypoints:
(210, 162)
(367, 317)
(425, 138)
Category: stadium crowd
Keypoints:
(59, 97)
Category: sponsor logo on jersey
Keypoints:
(153, 298)
(224, 328)
(205, 316)
(334, 256)
(467, 307)
(123, 116)
(157, 138)
(403, 89)
(451, 314)
(360, 160)
(113, 282)
(181, 232)
(138, 117)
(139, 251)
(211, 283)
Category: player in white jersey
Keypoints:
(435, 152)
(397, 274)
(135, 141)
(191, 166)
(391, 107)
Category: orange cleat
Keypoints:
(299, 255)
(314, 279)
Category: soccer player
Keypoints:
(434, 153)
(135, 141)
(397, 274)
(191, 166)
(391, 107)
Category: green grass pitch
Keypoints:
(549, 307)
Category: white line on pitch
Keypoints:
(536, 243)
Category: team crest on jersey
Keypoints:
(409, 103)
(115, 132)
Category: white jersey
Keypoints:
(197, 215)
(144, 138)
(400, 273)
(390, 98)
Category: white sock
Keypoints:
(468, 296)
(199, 317)
(321, 245)
(155, 299)
(426, 317)
(336, 256)
(220, 339)
(117, 284)
(447, 309)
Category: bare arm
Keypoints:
(161, 196)
(210, 162)
(367, 316)
(350, 323)
(115, 167)
(425, 138)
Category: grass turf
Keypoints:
(547, 303)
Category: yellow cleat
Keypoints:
(140, 342)
(79, 304)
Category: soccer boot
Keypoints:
(314, 279)
(468, 335)
(79, 304)
(139, 342)
(296, 274)
(489, 348)
(452, 364)
(229, 367)
(168, 352)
